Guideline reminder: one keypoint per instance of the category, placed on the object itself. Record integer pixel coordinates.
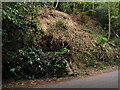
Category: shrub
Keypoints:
(61, 24)
(116, 41)
(33, 63)
(100, 39)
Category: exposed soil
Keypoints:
(73, 37)
(48, 81)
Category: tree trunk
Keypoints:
(74, 8)
(109, 32)
(56, 4)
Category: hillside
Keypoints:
(63, 30)
(42, 42)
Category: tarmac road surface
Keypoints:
(106, 80)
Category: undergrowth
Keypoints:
(31, 63)
(29, 52)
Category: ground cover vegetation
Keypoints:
(55, 39)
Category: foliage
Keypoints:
(100, 39)
(24, 44)
(17, 25)
(95, 10)
(33, 63)
(61, 24)
(18, 31)
(18, 15)
(116, 41)
(93, 57)
(102, 10)
(102, 54)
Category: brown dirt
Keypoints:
(41, 82)
(52, 16)
(75, 37)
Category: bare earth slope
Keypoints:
(68, 31)
(72, 37)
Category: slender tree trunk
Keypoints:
(93, 7)
(56, 4)
(109, 32)
(74, 8)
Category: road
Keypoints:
(106, 80)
